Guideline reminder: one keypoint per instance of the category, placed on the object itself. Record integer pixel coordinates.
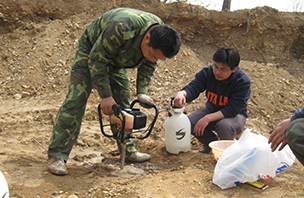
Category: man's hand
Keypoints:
(277, 136)
(201, 125)
(204, 121)
(180, 99)
(106, 105)
(144, 98)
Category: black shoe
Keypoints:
(205, 149)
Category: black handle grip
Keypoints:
(119, 114)
(171, 103)
(101, 124)
(116, 109)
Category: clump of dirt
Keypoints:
(38, 42)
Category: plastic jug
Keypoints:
(177, 131)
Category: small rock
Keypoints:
(17, 96)
(136, 171)
(72, 35)
(73, 196)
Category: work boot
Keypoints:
(138, 157)
(57, 166)
(205, 149)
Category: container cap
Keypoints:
(178, 109)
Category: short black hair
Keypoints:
(166, 39)
(227, 55)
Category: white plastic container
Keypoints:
(177, 132)
(4, 193)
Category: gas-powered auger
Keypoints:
(130, 121)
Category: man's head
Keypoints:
(226, 61)
(161, 42)
(227, 55)
(166, 39)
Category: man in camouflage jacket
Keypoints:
(119, 39)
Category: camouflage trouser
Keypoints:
(68, 120)
(295, 138)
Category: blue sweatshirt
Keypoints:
(230, 97)
(298, 114)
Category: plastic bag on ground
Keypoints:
(4, 191)
(249, 159)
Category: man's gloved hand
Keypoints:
(145, 100)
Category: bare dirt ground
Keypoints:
(38, 39)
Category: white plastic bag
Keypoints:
(3, 187)
(249, 159)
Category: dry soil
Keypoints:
(38, 39)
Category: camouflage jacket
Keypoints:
(114, 40)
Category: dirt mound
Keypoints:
(38, 42)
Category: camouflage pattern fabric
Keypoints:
(295, 138)
(115, 41)
(109, 45)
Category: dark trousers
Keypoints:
(225, 129)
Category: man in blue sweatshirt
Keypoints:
(291, 132)
(227, 89)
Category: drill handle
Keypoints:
(117, 110)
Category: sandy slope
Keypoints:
(38, 42)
